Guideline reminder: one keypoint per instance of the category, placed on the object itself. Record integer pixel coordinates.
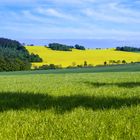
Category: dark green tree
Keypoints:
(85, 64)
(14, 56)
(79, 47)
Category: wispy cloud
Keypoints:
(53, 12)
(114, 13)
(70, 19)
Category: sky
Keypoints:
(70, 19)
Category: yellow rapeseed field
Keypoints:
(77, 57)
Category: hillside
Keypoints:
(14, 56)
(77, 57)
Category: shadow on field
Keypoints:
(61, 104)
(122, 84)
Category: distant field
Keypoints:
(101, 69)
(77, 57)
(68, 104)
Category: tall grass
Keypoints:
(70, 106)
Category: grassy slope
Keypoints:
(70, 106)
(94, 57)
(115, 68)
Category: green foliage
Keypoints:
(123, 61)
(128, 49)
(105, 63)
(14, 56)
(35, 58)
(79, 47)
(85, 64)
(117, 62)
(62, 47)
(47, 67)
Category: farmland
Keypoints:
(77, 57)
(71, 104)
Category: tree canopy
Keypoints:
(128, 48)
(14, 56)
(62, 47)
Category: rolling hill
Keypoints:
(77, 57)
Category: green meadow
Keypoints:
(101, 103)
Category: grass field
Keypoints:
(77, 57)
(111, 68)
(40, 105)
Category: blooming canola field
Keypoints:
(77, 57)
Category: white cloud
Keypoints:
(70, 18)
(28, 15)
(113, 12)
(54, 13)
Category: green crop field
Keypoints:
(101, 103)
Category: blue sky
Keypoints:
(70, 19)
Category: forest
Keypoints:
(15, 57)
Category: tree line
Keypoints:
(128, 48)
(84, 65)
(15, 57)
(62, 47)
